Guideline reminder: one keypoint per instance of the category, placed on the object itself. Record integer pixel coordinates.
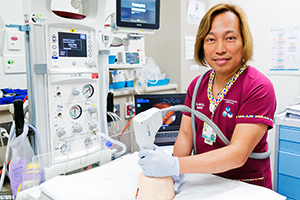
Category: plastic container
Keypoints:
(159, 82)
(111, 59)
(129, 83)
(117, 85)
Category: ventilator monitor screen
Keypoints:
(132, 58)
(72, 45)
(138, 13)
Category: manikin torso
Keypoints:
(150, 188)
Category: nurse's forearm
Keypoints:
(183, 145)
(217, 161)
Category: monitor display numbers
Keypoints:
(132, 58)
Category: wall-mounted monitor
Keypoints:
(142, 14)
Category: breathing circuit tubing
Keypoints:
(204, 118)
(118, 154)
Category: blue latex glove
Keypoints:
(156, 163)
(178, 181)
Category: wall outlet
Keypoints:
(14, 64)
(117, 109)
(129, 110)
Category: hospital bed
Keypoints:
(118, 180)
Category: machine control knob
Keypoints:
(77, 128)
(92, 125)
(75, 92)
(90, 63)
(60, 132)
(92, 109)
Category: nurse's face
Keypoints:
(223, 44)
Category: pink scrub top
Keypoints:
(248, 97)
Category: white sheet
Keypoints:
(118, 180)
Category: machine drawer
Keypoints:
(288, 186)
(289, 133)
(287, 146)
(289, 164)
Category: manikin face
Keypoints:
(223, 44)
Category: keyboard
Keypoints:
(167, 134)
(165, 138)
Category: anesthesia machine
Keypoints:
(67, 78)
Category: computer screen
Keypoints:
(172, 119)
(138, 13)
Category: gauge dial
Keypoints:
(75, 112)
(88, 90)
(88, 142)
(65, 148)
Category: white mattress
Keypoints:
(118, 180)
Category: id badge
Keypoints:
(208, 133)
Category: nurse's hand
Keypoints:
(156, 163)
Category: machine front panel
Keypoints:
(71, 49)
(74, 107)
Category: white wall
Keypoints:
(11, 13)
(261, 15)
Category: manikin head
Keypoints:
(150, 188)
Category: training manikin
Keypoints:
(150, 188)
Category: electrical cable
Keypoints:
(88, 167)
(3, 130)
(25, 98)
(3, 174)
(124, 129)
(118, 122)
(115, 123)
(2, 167)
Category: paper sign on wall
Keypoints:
(284, 49)
(196, 11)
(189, 47)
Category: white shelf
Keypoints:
(4, 107)
(131, 91)
(124, 66)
